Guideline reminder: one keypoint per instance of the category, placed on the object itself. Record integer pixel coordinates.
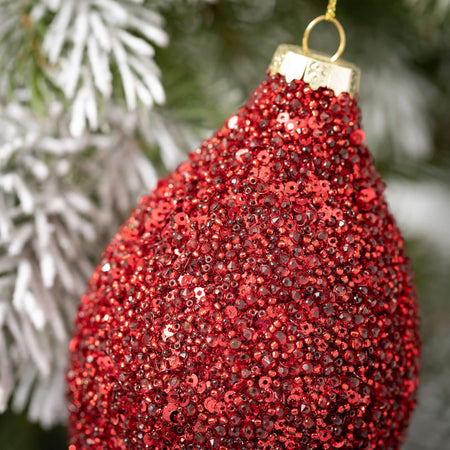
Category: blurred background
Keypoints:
(99, 98)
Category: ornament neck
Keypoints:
(316, 69)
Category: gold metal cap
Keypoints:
(317, 69)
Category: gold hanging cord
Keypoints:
(331, 10)
(330, 16)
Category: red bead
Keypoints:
(259, 297)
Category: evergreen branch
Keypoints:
(84, 49)
(91, 43)
(437, 10)
(61, 199)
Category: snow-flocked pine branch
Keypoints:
(90, 43)
(64, 186)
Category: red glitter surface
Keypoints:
(259, 298)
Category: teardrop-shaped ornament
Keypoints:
(260, 296)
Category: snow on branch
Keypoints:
(90, 43)
(60, 199)
(437, 10)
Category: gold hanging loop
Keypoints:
(340, 29)
(330, 16)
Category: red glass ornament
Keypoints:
(259, 298)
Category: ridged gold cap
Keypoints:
(315, 68)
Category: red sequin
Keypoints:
(259, 298)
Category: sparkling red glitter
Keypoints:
(259, 298)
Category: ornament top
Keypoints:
(315, 68)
